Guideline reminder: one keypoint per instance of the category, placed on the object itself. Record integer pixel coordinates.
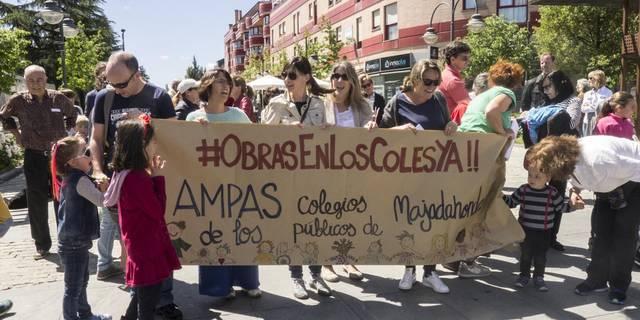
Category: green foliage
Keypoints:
(328, 50)
(143, 73)
(13, 56)
(498, 40)
(195, 71)
(82, 54)
(11, 155)
(264, 64)
(582, 38)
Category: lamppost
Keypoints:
(52, 14)
(122, 32)
(474, 25)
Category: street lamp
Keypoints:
(122, 32)
(474, 25)
(52, 14)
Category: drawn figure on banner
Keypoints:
(175, 232)
(407, 256)
(479, 237)
(222, 253)
(202, 257)
(439, 248)
(375, 254)
(460, 248)
(309, 253)
(282, 252)
(342, 247)
(265, 253)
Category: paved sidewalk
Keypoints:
(36, 287)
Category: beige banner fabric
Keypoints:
(246, 194)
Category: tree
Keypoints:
(327, 51)
(143, 74)
(498, 40)
(195, 71)
(582, 38)
(82, 54)
(13, 56)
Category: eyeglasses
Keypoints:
(367, 85)
(337, 76)
(291, 75)
(431, 82)
(122, 85)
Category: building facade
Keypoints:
(247, 36)
(383, 37)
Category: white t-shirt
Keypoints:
(345, 119)
(606, 162)
(371, 100)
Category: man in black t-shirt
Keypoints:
(131, 97)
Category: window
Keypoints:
(513, 10)
(310, 11)
(255, 31)
(266, 20)
(339, 33)
(391, 22)
(297, 24)
(239, 60)
(358, 26)
(375, 20)
(469, 4)
(330, 3)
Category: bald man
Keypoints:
(44, 117)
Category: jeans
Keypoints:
(36, 172)
(143, 302)
(75, 259)
(561, 186)
(534, 250)
(109, 231)
(166, 295)
(296, 271)
(616, 233)
(428, 269)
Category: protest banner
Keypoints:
(245, 194)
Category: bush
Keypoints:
(11, 154)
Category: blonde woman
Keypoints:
(593, 99)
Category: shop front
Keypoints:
(388, 73)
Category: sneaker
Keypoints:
(109, 272)
(41, 254)
(254, 293)
(299, 289)
(98, 317)
(169, 312)
(318, 284)
(539, 283)
(409, 277)
(434, 282)
(584, 289)
(472, 270)
(328, 274)
(353, 272)
(231, 295)
(452, 266)
(617, 297)
(557, 246)
(522, 281)
(5, 306)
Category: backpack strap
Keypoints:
(108, 103)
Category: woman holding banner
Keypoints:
(300, 105)
(350, 110)
(218, 281)
(420, 107)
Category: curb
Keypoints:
(10, 174)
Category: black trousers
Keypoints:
(143, 302)
(534, 251)
(36, 172)
(616, 233)
(561, 186)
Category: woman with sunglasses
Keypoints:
(218, 281)
(376, 101)
(351, 110)
(420, 106)
(300, 104)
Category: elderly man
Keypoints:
(44, 116)
(128, 97)
(532, 95)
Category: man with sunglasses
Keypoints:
(126, 97)
(457, 55)
(44, 116)
(376, 101)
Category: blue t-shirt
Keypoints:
(428, 115)
(151, 100)
(90, 101)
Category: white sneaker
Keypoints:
(328, 274)
(299, 289)
(434, 282)
(254, 293)
(409, 277)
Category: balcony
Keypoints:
(247, 22)
(239, 52)
(241, 26)
(238, 68)
(266, 30)
(256, 40)
(264, 8)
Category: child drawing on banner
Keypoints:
(439, 248)
(479, 238)
(175, 233)
(374, 254)
(407, 256)
(460, 248)
(265, 253)
(309, 253)
(222, 253)
(202, 257)
(282, 253)
(343, 247)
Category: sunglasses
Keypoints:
(291, 75)
(431, 82)
(367, 85)
(122, 85)
(337, 76)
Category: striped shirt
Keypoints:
(538, 208)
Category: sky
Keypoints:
(165, 34)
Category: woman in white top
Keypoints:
(593, 99)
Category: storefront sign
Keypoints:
(402, 61)
(372, 66)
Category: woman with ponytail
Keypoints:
(615, 118)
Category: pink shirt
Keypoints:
(452, 87)
(613, 125)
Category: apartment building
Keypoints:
(384, 37)
(248, 35)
